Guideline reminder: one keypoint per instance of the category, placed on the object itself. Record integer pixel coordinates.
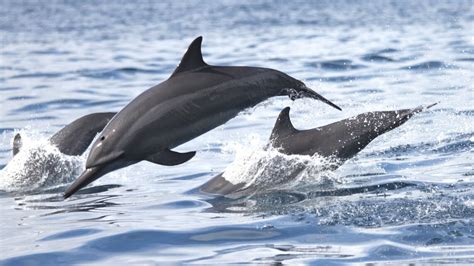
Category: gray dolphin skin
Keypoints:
(341, 140)
(196, 98)
(75, 137)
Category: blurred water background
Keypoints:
(63, 59)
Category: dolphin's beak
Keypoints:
(307, 92)
(87, 177)
(95, 159)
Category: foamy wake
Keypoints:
(264, 167)
(38, 165)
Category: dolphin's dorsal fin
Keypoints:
(192, 59)
(283, 126)
(17, 143)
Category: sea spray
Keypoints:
(264, 167)
(38, 165)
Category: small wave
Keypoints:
(10, 88)
(50, 51)
(336, 65)
(20, 98)
(387, 51)
(371, 213)
(38, 165)
(118, 73)
(456, 147)
(348, 78)
(377, 58)
(453, 144)
(365, 91)
(429, 65)
(467, 59)
(6, 129)
(62, 104)
(38, 75)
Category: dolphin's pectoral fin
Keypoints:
(192, 59)
(169, 157)
(17, 143)
(78, 135)
(283, 126)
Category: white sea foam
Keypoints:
(38, 165)
(265, 167)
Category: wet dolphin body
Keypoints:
(74, 138)
(341, 140)
(196, 98)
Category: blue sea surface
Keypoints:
(407, 198)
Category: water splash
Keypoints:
(38, 165)
(263, 167)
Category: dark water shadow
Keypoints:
(429, 65)
(377, 58)
(336, 65)
(85, 200)
(279, 200)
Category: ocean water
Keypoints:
(407, 198)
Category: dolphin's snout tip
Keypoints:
(87, 177)
(431, 105)
(312, 94)
(67, 194)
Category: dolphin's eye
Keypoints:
(102, 138)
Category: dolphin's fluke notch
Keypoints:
(192, 59)
(170, 158)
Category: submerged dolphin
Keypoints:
(40, 163)
(340, 140)
(196, 98)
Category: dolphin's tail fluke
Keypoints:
(87, 177)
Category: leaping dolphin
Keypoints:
(196, 98)
(341, 140)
